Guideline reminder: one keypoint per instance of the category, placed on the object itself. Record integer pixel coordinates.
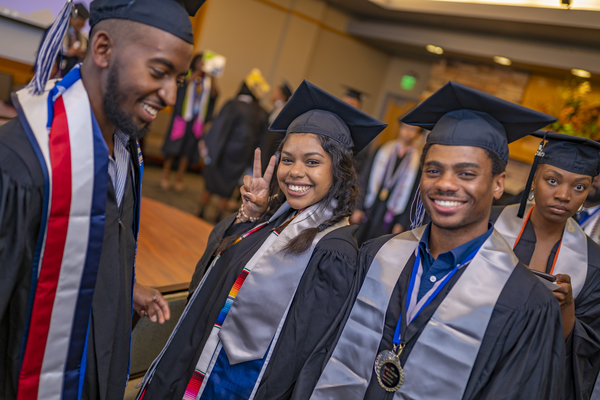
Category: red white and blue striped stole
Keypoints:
(74, 159)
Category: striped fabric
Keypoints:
(191, 392)
(73, 157)
(195, 384)
(49, 49)
(119, 163)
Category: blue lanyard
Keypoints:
(411, 285)
(589, 216)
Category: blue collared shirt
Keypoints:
(436, 269)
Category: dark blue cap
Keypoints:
(571, 153)
(458, 115)
(313, 110)
(168, 15)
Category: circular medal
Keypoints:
(390, 374)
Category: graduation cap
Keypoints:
(354, 93)
(458, 115)
(81, 11)
(313, 110)
(168, 15)
(570, 153)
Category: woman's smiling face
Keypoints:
(305, 172)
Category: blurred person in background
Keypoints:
(231, 141)
(390, 180)
(194, 107)
(270, 140)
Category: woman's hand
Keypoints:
(255, 192)
(564, 295)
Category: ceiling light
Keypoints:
(582, 73)
(434, 49)
(502, 60)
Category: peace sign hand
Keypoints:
(255, 192)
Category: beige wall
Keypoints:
(293, 40)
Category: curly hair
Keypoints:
(344, 189)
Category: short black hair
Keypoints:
(498, 164)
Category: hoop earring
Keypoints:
(580, 208)
(531, 195)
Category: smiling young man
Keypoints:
(446, 311)
(70, 176)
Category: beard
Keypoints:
(122, 120)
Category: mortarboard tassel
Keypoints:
(49, 50)
(416, 219)
(538, 156)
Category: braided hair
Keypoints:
(344, 189)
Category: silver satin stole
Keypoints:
(572, 256)
(440, 363)
(260, 308)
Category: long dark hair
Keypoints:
(344, 189)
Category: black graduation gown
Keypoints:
(582, 361)
(326, 289)
(186, 146)
(374, 226)
(21, 201)
(231, 141)
(521, 355)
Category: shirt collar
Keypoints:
(460, 253)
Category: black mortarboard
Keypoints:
(458, 115)
(313, 110)
(354, 93)
(570, 153)
(81, 10)
(168, 15)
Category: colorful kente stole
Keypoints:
(193, 388)
(73, 157)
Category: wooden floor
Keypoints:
(171, 243)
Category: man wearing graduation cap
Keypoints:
(446, 311)
(546, 239)
(70, 175)
(353, 97)
(270, 293)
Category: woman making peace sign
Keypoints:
(270, 292)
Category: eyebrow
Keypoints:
(163, 61)
(305, 154)
(454, 166)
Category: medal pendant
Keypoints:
(383, 195)
(390, 374)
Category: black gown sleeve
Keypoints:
(327, 290)
(583, 345)
(522, 355)
(220, 231)
(21, 200)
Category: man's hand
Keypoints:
(148, 302)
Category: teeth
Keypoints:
(300, 189)
(151, 110)
(447, 204)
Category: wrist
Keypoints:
(245, 215)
